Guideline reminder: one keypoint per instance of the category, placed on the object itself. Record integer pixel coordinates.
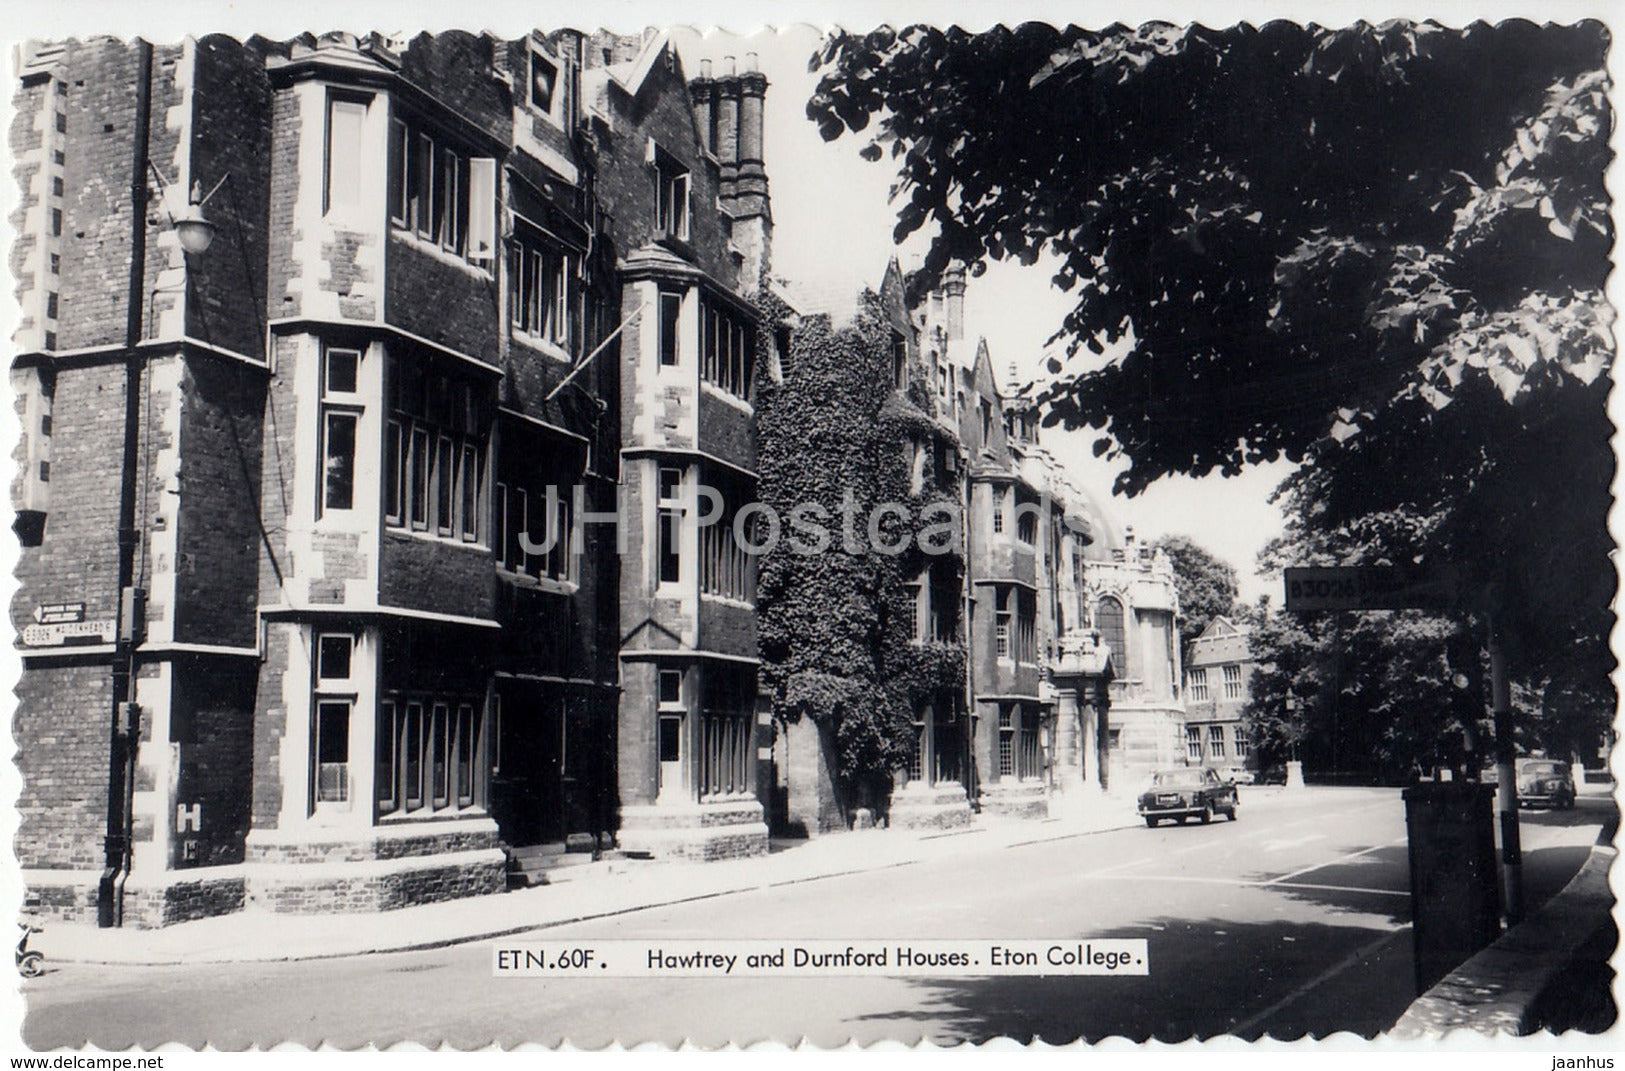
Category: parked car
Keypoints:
(1188, 792)
(1545, 781)
(1239, 775)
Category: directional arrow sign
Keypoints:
(1370, 587)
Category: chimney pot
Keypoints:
(750, 63)
(705, 68)
(727, 66)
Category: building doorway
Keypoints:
(528, 760)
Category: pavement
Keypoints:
(594, 891)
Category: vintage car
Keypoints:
(1183, 792)
(1545, 781)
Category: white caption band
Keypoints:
(677, 958)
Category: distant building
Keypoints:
(1217, 679)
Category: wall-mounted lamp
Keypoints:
(192, 227)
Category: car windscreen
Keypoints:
(1541, 769)
(1177, 779)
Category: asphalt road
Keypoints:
(1292, 921)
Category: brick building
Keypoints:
(320, 605)
(1067, 627)
(1217, 681)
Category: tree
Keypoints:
(1350, 248)
(1206, 586)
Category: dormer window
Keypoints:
(671, 196)
(544, 78)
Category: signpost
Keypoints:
(1391, 587)
(1370, 587)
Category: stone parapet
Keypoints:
(929, 807)
(702, 832)
(1015, 799)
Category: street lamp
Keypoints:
(192, 228)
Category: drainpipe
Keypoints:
(126, 718)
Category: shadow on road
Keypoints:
(1208, 977)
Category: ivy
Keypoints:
(834, 627)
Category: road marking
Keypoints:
(1245, 884)
(1318, 980)
(1295, 842)
(1334, 862)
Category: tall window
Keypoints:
(671, 310)
(340, 418)
(672, 712)
(1109, 620)
(435, 468)
(671, 196)
(1001, 625)
(334, 696)
(727, 347)
(911, 612)
(1232, 681)
(1007, 741)
(944, 610)
(1199, 692)
(1215, 741)
(541, 292)
(1027, 509)
(1193, 742)
(524, 512)
(724, 564)
(440, 192)
(669, 526)
(999, 499)
(1243, 746)
(427, 753)
(725, 734)
(1026, 634)
(345, 121)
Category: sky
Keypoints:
(832, 234)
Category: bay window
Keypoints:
(427, 753)
(441, 192)
(727, 347)
(435, 468)
(542, 291)
(339, 422)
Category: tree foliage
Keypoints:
(1206, 585)
(834, 627)
(1293, 226)
(1377, 251)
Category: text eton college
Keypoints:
(283, 642)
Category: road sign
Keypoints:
(1369, 587)
(59, 613)
(69, 632)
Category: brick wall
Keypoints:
(636, 745)
(455, 67)
(454, 304)
(212, 718)
(727, 431)
(26, 139)
(282, 298)
(96, 228)
(270, 725)
(231, 136)
(443, 577)
(62, 722)
(77, 561)
(217, 566)
(626, 184)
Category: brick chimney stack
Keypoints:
(728, 108)
(953, 289)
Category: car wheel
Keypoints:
(1207, 813)
(1232, 813)
(1180, 819)
(1151, 823)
